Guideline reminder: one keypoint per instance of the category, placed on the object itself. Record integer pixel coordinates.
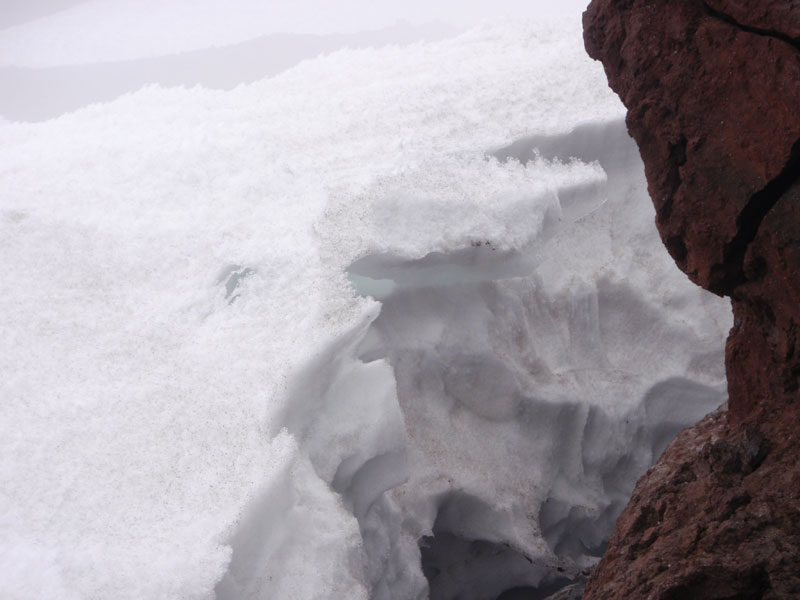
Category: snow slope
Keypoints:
(259, 343)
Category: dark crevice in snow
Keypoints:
(750, 29)
(730, 274)
(457, 565)
(558, 590)
(453, 564)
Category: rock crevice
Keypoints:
(732, 272)
(773, 33)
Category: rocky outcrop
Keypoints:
(713, 96)
(718, 517)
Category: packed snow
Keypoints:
(395, 323)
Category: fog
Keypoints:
(59, 32)
(347, 13)
(57, 56)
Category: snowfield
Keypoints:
(393, 323)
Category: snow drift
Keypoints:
(394, 323)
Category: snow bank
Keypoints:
(199, 397)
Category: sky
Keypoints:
(57, 56)
(13, 12)
(43, 32)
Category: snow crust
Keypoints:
(262, 343)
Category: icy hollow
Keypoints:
(393, 324)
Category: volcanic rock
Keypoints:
(713, 96)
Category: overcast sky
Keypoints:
(51, 32)
(464, 13)
(57, 56)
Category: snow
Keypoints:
(554, 390)
(259, 343)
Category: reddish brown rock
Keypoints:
(714, 111)
(718, 517)
(713, 96)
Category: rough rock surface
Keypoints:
(717, 517)
(713, 96)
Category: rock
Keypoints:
(571, 592)
(717, 517)
(713, 96)
(713, 105)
